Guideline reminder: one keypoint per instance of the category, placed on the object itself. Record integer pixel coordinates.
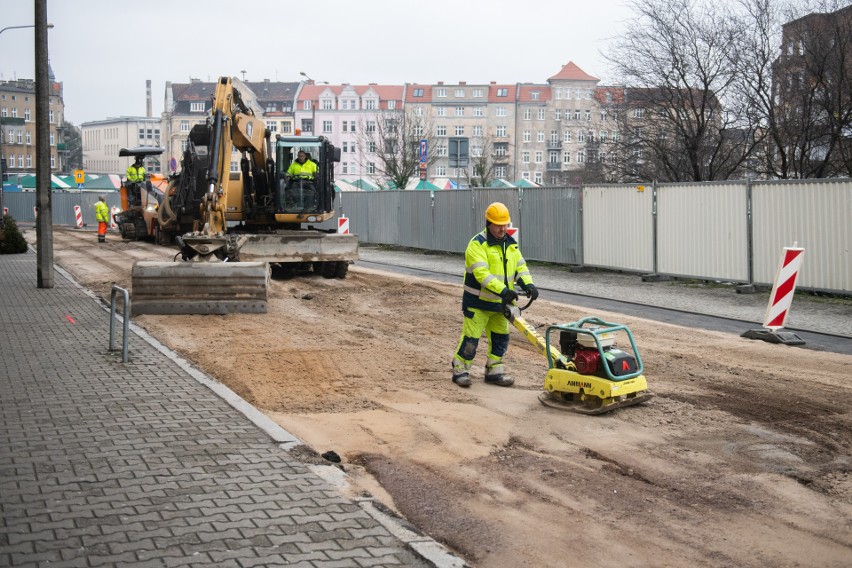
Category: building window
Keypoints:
(501, 132)
(441, 151)
(352, 126)
(581, 156)
(539, 157)
(527, 114)
(442, 93)
(345, 166)
(525, 157)
(327, 104)
(29, 161)
(638, 112)
(567, 136)
(184, 145)
(20, 137)
(541, 114)
(588, 114)
(345, 147)
(418, 111)
(306, 105)
(4, 112)
(591, 138)
(581, 136)
(391, 105)
(370, 104)
(285, 127)
(442, 131)
(459, 111)
(52, 162)
(459, 93)
(527, 136)
(371, 147)
(326, 126)
(477, 93)
(502, 111)
(307, 125)
(418, 92)
(441, 111)
(500, 149)
(535, 95)
(576, 114)
(478, 111)
(459, 130)
(371, 126)
(235, 167)
(502, 92)
(27, 115)
(272, 126)
(441, 171)
(184, 126)
(558, 114)
(539, 136)
(538, 179)
(477, 130)
(196, 106)
(500, 171)
(29, 138)
(371, 168)
(566, 158)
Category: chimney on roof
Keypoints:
(149, 108)
(440, 82)
(493, 82)
(462, 83)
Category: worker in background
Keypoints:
(102, 215)
(135, 176)
(493, 264)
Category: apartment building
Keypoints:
(18, 126)
(102, 140)
(351, 117)
(188, 104)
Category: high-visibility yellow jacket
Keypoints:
(102, 212)
(135, 174)
(306, 171)
(490, 267)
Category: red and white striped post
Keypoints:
(780, 300)
(514, 232)
(78, 217)
(112, 223)
(343, 225)
(5, 211)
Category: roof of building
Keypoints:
(527, 93)
(570, 72)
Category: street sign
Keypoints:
(423, 151)
(172, 164)
(458, 151)
(79, 177)
(422, 171)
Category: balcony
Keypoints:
(554, 167)
(554, 145)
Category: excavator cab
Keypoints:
(140, 200)
(305, 198)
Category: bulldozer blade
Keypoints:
(591, 406)
(199, 287)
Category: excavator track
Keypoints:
(199, 287)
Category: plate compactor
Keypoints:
(587, 373)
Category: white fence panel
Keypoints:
(817, 215)
(618, 227)
(702, 231)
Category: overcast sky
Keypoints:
(103, 51)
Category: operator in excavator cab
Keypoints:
(300, 178)
(493, 263)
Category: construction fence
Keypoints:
(717, 231)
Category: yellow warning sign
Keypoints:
(79, 176)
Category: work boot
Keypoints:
(495, 375)
(462, 379)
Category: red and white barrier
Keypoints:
(781, 296)
(5, 211)
(343, 225)
(513, 232)
(112, 223)
(78, 216)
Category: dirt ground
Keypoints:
(742, 458)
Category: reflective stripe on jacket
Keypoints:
(102, 212)
(485, 276)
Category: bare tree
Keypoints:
(480, 172)
(677, 72)
(389, 142)
(796, 80)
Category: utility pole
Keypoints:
(44, 220)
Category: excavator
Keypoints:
(137, 219)
(236, 229)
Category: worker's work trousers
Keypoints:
(102, 229)
(496, 327)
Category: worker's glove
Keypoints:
(532, 292)
(508, 295)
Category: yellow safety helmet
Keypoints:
(498, 214)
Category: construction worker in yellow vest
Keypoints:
(493, 264)
(102, 215)
(135, 176)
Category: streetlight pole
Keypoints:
(2, 133)
(313, 106)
